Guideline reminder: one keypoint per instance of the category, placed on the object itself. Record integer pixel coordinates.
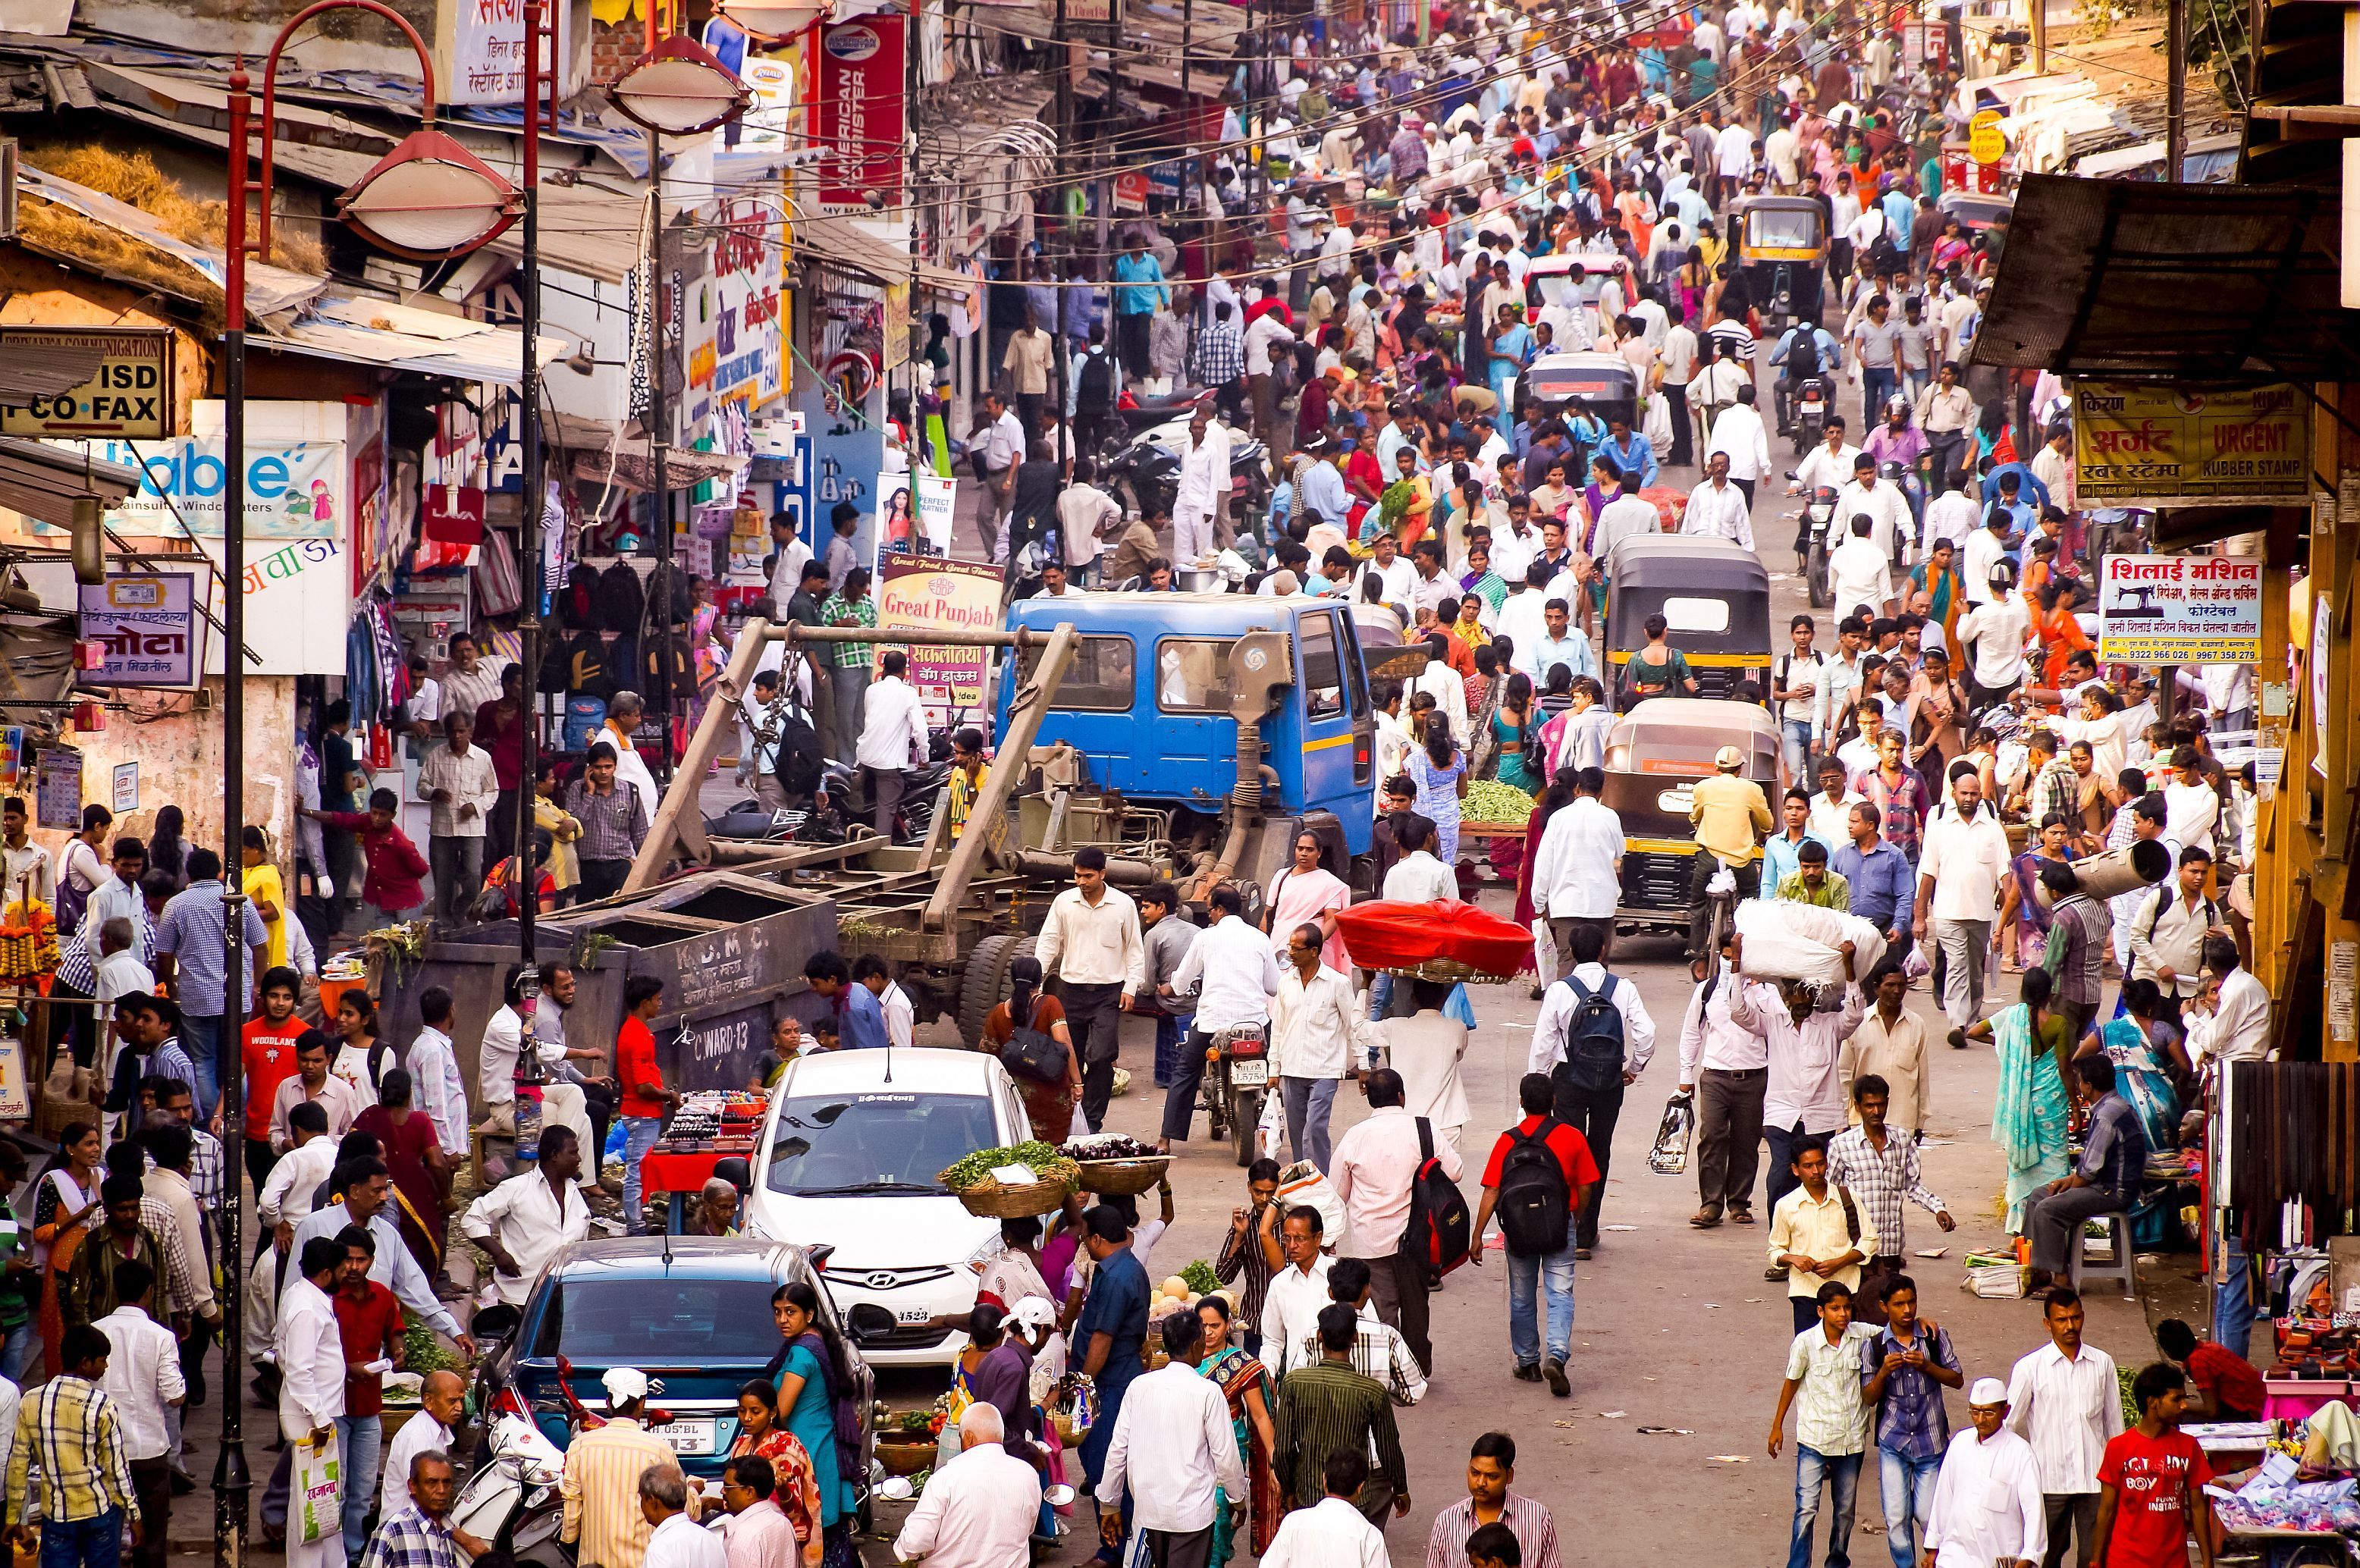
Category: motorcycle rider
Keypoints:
(1827, 463)
(1887, 508)
(1236, 974)
(1805, 352)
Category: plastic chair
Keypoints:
(2124, 1264)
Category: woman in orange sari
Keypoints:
(795, 1488)
(2061, 634)
(66, 1210)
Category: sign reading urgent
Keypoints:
(2179, 609)
(2139, 442)
(129, 397)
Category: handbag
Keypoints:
(317, 1503)
(1029, 1053)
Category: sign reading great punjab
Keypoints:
(2139, 442)
(2179, 609)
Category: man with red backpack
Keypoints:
(1593, 1039)
(1396, 1179)
(1540, 1176)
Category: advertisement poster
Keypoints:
(483, 53)
(897, 527)
(2142, 443)
(128, 395)
(299, 606)
(126, 798)
(12, 759)
(949, 596)
(937, 509)
(2179, 609)
(298, 476)
(858, 119)
(148, 623)
(57, 794)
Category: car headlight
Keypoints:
(980, 1258)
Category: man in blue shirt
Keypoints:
(1882, 888)
(1139, 290)
(1324, 496)
(1110, 1335)
(1782, 852)
(1632, 452)
(192, 960)
(861, 1023)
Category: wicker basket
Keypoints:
(1123, 1178)
(906, 1458)
(990, 1199)
(1444, 971)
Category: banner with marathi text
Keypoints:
(936, 593)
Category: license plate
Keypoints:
(1249, 1074)
(686, 1436)
(915, 1314)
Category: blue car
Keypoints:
(692, 1313)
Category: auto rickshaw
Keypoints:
(1713, 593)
(1654, 754)
(1605, 383)
(1782, 253)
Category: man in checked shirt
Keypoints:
(77, 1435)
(1879, 1167)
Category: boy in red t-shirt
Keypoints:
(2228, 1385)
(1552, 1270)
(2151, 1482)
(644, 1096)
(269, 1050)
(368, 1321)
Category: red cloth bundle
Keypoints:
(1391, 935)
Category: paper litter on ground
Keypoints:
(1728, 1458)
(1665, 1431)
(1618, 1227)
(1933, 1251)
(1612, 1415)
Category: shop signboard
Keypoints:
(1986, 143)
(299, 606)
(480, 48)
(129, 396)
(126, 798)
(57, 790)
(147, 622)
(298, 474)
(858, 112)
(932, 591)
(2179, 609)
(2170, 446)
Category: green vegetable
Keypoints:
(423, 1353)
(1200, 1279)
(1044, 1160)
(918, 1421)
(1492, 801)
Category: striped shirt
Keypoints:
(74, 1427)
(1322, 1408)
(601, 1488)
(1527, 1520)
(1241, 1254)
(408, 1539)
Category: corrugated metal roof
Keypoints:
(27, 375)
(362, 330)
(269, 290)
(42, 482)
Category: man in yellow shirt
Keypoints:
(1730, 814)
(968, 772)
(600, 1484)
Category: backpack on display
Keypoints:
(1440, 1229)
(622, 600)
(1593, 1042)
(1535, 1202)
(578, 605)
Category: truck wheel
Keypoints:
(984, 985)
(1245, 1116)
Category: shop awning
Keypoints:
(2142, 281)
(42, 482)
(843, 245)
(630, 467)
(361, 331)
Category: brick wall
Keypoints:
(613, 49)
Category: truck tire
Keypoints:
(984, 983)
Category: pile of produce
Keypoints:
(1199, 1277)
(1107, 1146)
(421, 1353)
(1443, 939)
(1046, 1162)
(1495, 804)
(1171, 1296)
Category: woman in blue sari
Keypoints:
(2029, 1111)
(811, 1371)
(2146, 1050)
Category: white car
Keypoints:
(847, 1161)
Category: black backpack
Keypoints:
(1593, 1043)
(1096, 393)
(1535, 1199)
(801, 761)
(622, 599)
(1440, 1231)
(1803, 355)
(578, 605)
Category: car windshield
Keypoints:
(843, 1145)
(671, 1323)
(1558, 288)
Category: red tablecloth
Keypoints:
(665, 1173)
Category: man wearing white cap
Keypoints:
(1987, 1502)
(601, 1483)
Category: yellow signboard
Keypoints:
(1985, 145)
(129, 397)
(2143, 442)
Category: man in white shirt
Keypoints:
(1387, 565)
(1315, 1023)
(1175, 1450)
(1717, 508)
(435, 1072)
(676, 1540)
(311, 1374)
(2239, 1026)
(1418, 878)
(1239, 973)
(1886, 508)
(892, 738)
(1726, 1065)
(1589, 1098)
(1333, 1532)
(2063, 1399)
(443, 1398)
(119, 897)
(460, 787)
(2169, 925)
(145, 1382)
(1292, 1302)
(1962, 867)
(1091, 941)
(1577, 869)
(1804, 1049)
(1982, 553)
(521, 1223)
(1739, 434)
(368, 1189)
(1375, 1174)
(1858, 573)
(1987, 1507)
(1996, 631)
(979, 1510)
(1952, 516)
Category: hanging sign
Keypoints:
(1985, 144)
(2134, 442)
(57, 792)
(126, 798)
(920, 591)
(2179, 609)
(148, 625)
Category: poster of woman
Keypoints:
(897, 529)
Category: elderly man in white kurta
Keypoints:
(1987, 1504)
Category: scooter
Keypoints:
(511, 1500)
(1812, 402)
(1144, 473)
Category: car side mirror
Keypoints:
(735, 1170)
(867, 1322)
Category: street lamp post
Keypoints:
(427, 198)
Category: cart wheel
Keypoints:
(983, 985)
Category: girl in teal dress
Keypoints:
(2144, 1049)
(1511, 733)
(809, 1370)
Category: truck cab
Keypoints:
(1154, 692)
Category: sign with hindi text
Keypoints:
(148, 625)
(935, 592)
(2134, 442)
(2179, 609)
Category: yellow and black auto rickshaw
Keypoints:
(1782, 254)
(1714, 596)
(1655, 756)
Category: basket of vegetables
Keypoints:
(1116, 1167)
(910, 1444)
(979, 1180)
(1492, 804)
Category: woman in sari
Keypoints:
(795, 1489)
(2060, 629)
(1938, 577)
(1247, 1385)
(1512, 735)
(415, 1161)
(1049, 1105)
(2145, 1051)
(65, 1211)
(2029, 1111)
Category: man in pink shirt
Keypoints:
(1374, 1169)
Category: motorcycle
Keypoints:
(1813, 399)
(1812, 522)
(1905, 479)
(843, 806)
(1144, 473)
(1146, 413)
(1237, 1080)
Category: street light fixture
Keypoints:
(774, 18)
(429, 198)
(680, 88)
